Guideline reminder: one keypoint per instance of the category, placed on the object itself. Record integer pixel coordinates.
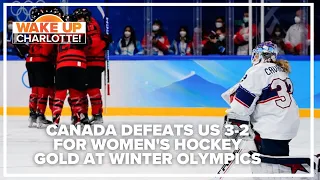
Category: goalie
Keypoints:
(264, 100)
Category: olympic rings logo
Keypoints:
(23, 79)
(22, 13)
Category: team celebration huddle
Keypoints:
(55, 70)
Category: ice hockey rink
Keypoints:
(24, 142)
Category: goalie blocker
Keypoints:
(285, 165)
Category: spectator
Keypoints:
(277, 37)
(221, 36)
(182, 44)
(241, 38)
(212, 45)
(11, 50)
(220, 23)
(159, 40)
(297, 35)
(128, 44)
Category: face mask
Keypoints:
(183, 33)
(127, 33)
(9, 26)
(221, 37)
(155, 27)
(245, 19)
(297, 19)
(277, 33)
(218, 24)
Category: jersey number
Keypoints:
(284, 89)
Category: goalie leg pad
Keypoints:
(284, 165)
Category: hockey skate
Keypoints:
(76, 121)
(96, 119)
(85, 120)
(79, 118)
(32, 118)
(41, 120)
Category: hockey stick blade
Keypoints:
(226, 167)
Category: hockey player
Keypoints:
(96, 62)
(264, 99)
(58, 12)
(70, 75)
(38, 65)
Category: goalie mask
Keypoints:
(265, 52)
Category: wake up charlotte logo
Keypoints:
(49, 29)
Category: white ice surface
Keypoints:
(24, 143)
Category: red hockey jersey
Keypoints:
(40, 52)
(70, 55)
(95, 51)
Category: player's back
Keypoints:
(70, 55)
(39, 52)
(276, 110)
(95, 51)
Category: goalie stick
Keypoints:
(227, 166)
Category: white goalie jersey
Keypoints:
(265, 98)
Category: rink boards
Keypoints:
(169, 85)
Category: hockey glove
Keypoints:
(107, 38)
(236, 129)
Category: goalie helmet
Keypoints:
(35, 13)
(82, 13)
(264, 52)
